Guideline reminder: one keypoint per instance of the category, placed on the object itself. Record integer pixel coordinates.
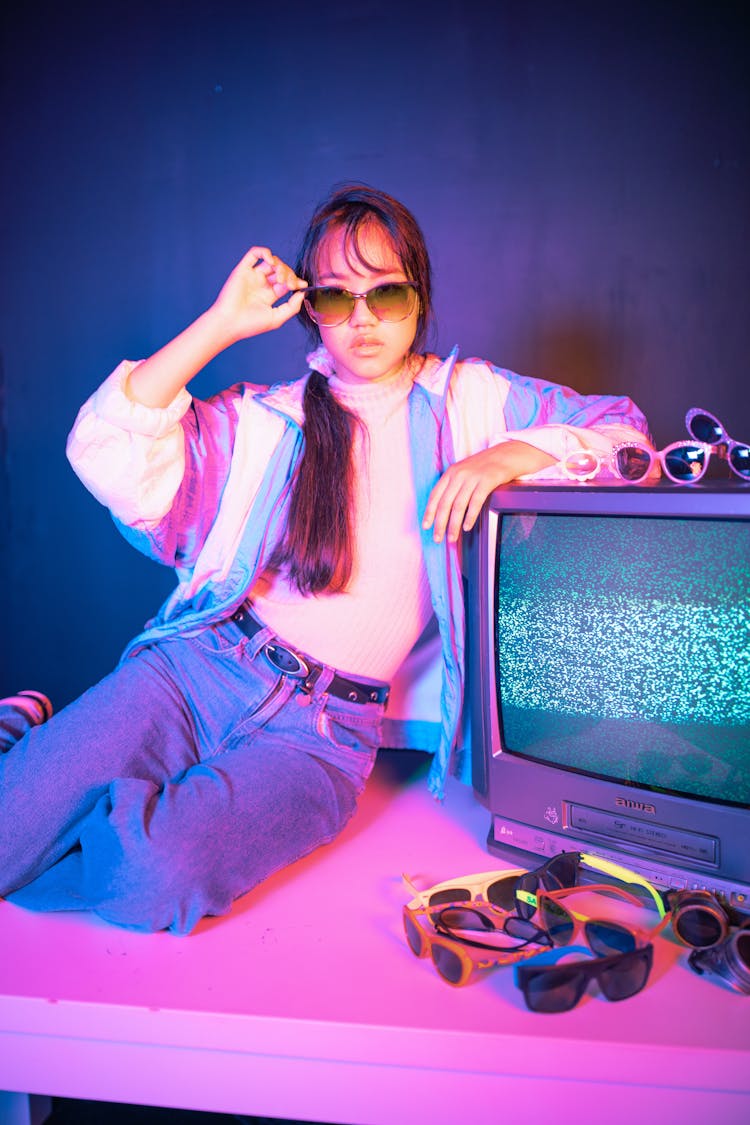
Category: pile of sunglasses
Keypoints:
(684, 462)
(524, 918)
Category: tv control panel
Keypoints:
(507, 835)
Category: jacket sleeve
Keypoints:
(161, 472)
(549, 416)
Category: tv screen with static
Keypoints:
(622, 649)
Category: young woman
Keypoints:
(314, 528)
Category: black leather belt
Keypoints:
(291, 663)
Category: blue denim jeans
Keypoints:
(179, 782)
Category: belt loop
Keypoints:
(306, 686)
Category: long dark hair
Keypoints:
(317, 550)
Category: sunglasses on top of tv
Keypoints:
(684, 462)
(500, 888)
(728, 959)
(329, 305)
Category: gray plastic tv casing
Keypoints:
(635, 826)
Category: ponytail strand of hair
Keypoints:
(317, 551)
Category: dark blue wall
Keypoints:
(580, 170)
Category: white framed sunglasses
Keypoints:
(684, 462)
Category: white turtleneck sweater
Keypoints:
(369, 628)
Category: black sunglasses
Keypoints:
(559, 987)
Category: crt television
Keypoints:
(608, 676)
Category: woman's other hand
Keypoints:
(456, 500)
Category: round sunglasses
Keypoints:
(729, 960)
(330, 306)
(706, 427)
(701, 920)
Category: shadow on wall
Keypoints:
(580, 353)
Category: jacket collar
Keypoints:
(433, 377)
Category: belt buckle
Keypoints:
(285, 661)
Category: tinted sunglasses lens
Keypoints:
(607, 938)
(413, 935)
(685, 463)
(464, 918)
(705, 428)
(632, 463)
(556, 920)
(502, 893)
(391, 302)
(626, 975)
(582, 464)
(742, 948)
(560, 871)
(329, 306)
(739, 459)
(450, 895)
(552, 989)
(447, 963)
(699, 926)
(525, 931)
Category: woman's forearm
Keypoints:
(157, 380)
(246, 306)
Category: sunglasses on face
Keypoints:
(450, 956)
(559, 987)
(329, 306)
(499, 887)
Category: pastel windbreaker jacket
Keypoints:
(204, 486)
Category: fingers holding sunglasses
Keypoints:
(247, 301)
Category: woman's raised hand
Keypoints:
(246, 306)
(247, 301)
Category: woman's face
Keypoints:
(364, 349)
